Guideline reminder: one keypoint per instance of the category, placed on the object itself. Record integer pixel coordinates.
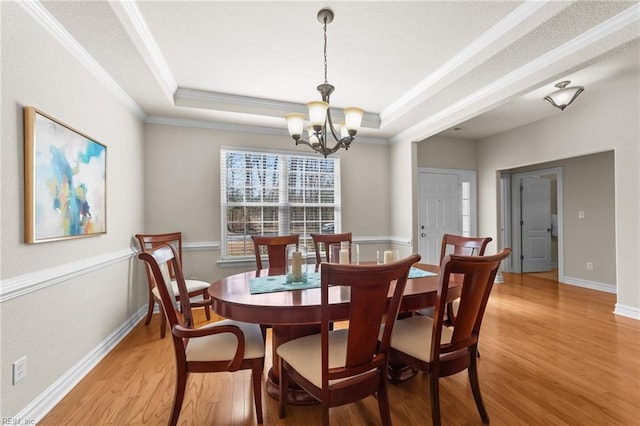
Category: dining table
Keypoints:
(294, 312)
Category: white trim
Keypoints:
(48, 399)
(219, 101)
(139, 31)
(34, 281)
(593, 285)
(201, 246)
(425, 128)
(235, 127)
(514, 207)
(512, 20)
(44, 18)
(627, 311)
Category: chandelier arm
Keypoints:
(330, 121)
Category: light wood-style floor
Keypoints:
(551, 354)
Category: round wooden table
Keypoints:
(296, 313)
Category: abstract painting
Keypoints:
(65, 181)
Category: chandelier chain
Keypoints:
(325, 50)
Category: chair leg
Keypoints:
(256, 374)
(205, 296)
(383, 401)
(152, 304)
(284, 384)
(435, 399)
(163, 323)
(263, 330)
(325, 415)
(181, 385)
(475, 385)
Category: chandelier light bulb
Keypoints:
(295, 124)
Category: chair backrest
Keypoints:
(477, 274)
(321, 243)
(457, 244)
(276, 248)
(149, 241)
(160, 260)
(369, 287)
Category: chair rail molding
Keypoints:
(34, 281)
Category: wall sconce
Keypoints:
(563, 97)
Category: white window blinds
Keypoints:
(266, 193)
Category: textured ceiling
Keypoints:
(418, 68)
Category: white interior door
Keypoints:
(439, 212)
(536, 224)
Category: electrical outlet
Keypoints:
(19, 369)
(590, 266)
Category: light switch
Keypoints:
(581, 214)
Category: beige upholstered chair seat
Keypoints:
(412, 336)
(305, 355)
(222, 347)
(192, 285)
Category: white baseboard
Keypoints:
(593, 285)
(48, 399)
(627, 311)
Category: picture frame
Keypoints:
(65, 181)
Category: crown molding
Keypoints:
(427, 87)
(446, 117)
(196, 98)
(48, 22)
(135, 25)
(236, 127)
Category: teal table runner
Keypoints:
(275, 283)
(420, 273)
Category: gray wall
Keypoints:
(182, 172)
(60, 300)
(588, 186)
(605, 120)
(442, 152)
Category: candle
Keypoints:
(388, 256)
(344, 256)
(296, 264)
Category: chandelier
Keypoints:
(321, 126)
(563, 97)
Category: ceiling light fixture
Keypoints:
(563, 97)
(320, 122)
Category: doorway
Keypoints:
(447, 204)
(532, 220)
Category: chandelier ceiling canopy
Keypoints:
(321, 127)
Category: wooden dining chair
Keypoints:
(221, 346)
(194, 287)
(429, 345)
(321, 242)
(338, 367)
(276, 248)
(468, 246)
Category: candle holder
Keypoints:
(344, 253)
(296, 265)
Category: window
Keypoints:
(268, 193)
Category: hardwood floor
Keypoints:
(552, 354)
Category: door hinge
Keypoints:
(521, 257)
